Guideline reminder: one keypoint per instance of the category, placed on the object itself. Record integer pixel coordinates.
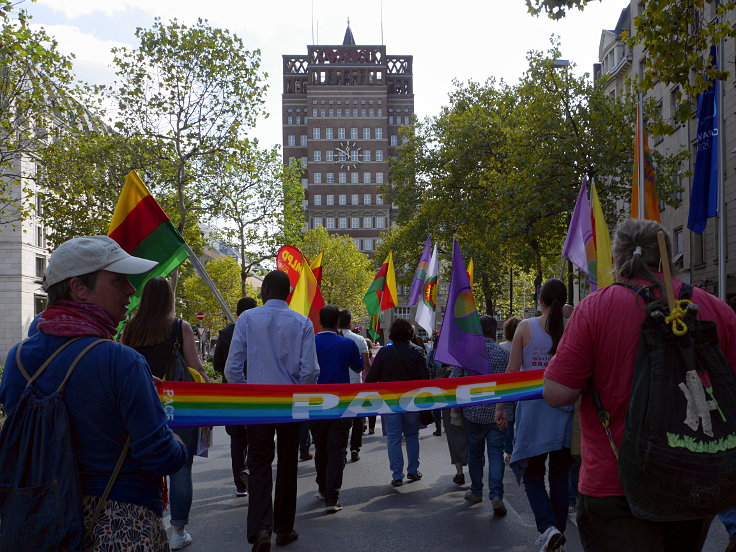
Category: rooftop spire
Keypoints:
(348, 40)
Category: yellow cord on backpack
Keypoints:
(678, 326)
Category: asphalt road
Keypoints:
(428, 515)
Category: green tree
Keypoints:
(35, 85)
(676, 37)
(346, 272)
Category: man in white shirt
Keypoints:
(278, 345)
(356, 434)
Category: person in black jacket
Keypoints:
(238, 434)
(401, 360)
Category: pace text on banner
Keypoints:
(141, 228)
(210, 404)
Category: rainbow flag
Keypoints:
(415, 293)
(381, 294)
(210, 404)
(142, 229)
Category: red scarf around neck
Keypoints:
(72, 319)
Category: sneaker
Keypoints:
(550, 540)
(354, 456)
(371, 431)
(334, 508)
(241, 493)
(414, 476)
(282, 539)
(506, 457)
(472, 497)
(397, 482)
(459, 479)
(180, 539)
(499, 508)
(437, 432)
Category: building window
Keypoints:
(317, 199)
(299, 120)
(339, 111)
(342, 222)
(367, 155)
(354, 155)
(366, 199)
(39, 236)
(406, 120)
(330, 178)
(342, 199)
(357, 243)
(366, 178)
(366, 134)
(317, 222)
(330, 199)
(329, 156)
(380, 112)
(354, 178)
(363, 112)
(390, 119)
(304, 162)
(291, 140)
(328, 133)
(303, 140)
(368, 244)
(340, 133)
(317, 155)
(341, 156)
(379, 199)
(367, 222)
(355, 199)
(332, 112)
(380, 222)
(288, 120)
(322, 112)
(342, 177)
(317, 178)
(353, 133)
(40, 265)
(379, 178)
(315, 133)
(355, 112)
(314, 112)
(394, 140)
(379, 155)
(39, 303)
(371, 112)
(355, 222)
(379, 134)
(330, 223)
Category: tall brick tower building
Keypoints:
(342, 107)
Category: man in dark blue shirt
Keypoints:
(336, 355)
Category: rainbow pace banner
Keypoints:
(210, 404)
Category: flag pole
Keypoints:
(199, 267)
(640, 145)
(721, 190)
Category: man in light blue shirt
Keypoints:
(278, 345)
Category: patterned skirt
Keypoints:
(125, 527)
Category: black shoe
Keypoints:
(262, 542)
(241, 492)
(243, 476)
(305, 456)
(282, 539)
(437, 432)
(414, 476)
(334, 508)
(397, 482)
(354, 456)
(459, 479)
(371, 431)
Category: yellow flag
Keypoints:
(470, 271)
(602, 243)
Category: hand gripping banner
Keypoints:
(210, 404)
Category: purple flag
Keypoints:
(461, 339)
(579, 244)
(421, 274)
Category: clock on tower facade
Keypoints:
(342, 107)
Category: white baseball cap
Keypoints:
(87, 254)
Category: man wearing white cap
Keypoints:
(109, 396)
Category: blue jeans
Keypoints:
(180, 493)
(549, 509)
(407, 425)
(482, 438)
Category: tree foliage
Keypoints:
(500, 169)
(346, 272)
(676, 37)
(35, 84)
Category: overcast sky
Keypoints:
(459, 39)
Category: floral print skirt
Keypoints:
(125, 527)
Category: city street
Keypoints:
(427, 515)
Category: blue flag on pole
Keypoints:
(704, 196)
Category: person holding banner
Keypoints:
(401, 361)
(155, 332)
(278, 345)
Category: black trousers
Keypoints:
(606, 524)
(356, 434)
(372, 423)
(330, 445)
(264, 511)
(238, 452)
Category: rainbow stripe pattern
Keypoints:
(210, 404)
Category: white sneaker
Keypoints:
(180, 539)
(550, 540)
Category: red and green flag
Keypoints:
(381, 294)
(141, 228)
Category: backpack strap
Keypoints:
(81, 354)
(30, 379)
(102, 504)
